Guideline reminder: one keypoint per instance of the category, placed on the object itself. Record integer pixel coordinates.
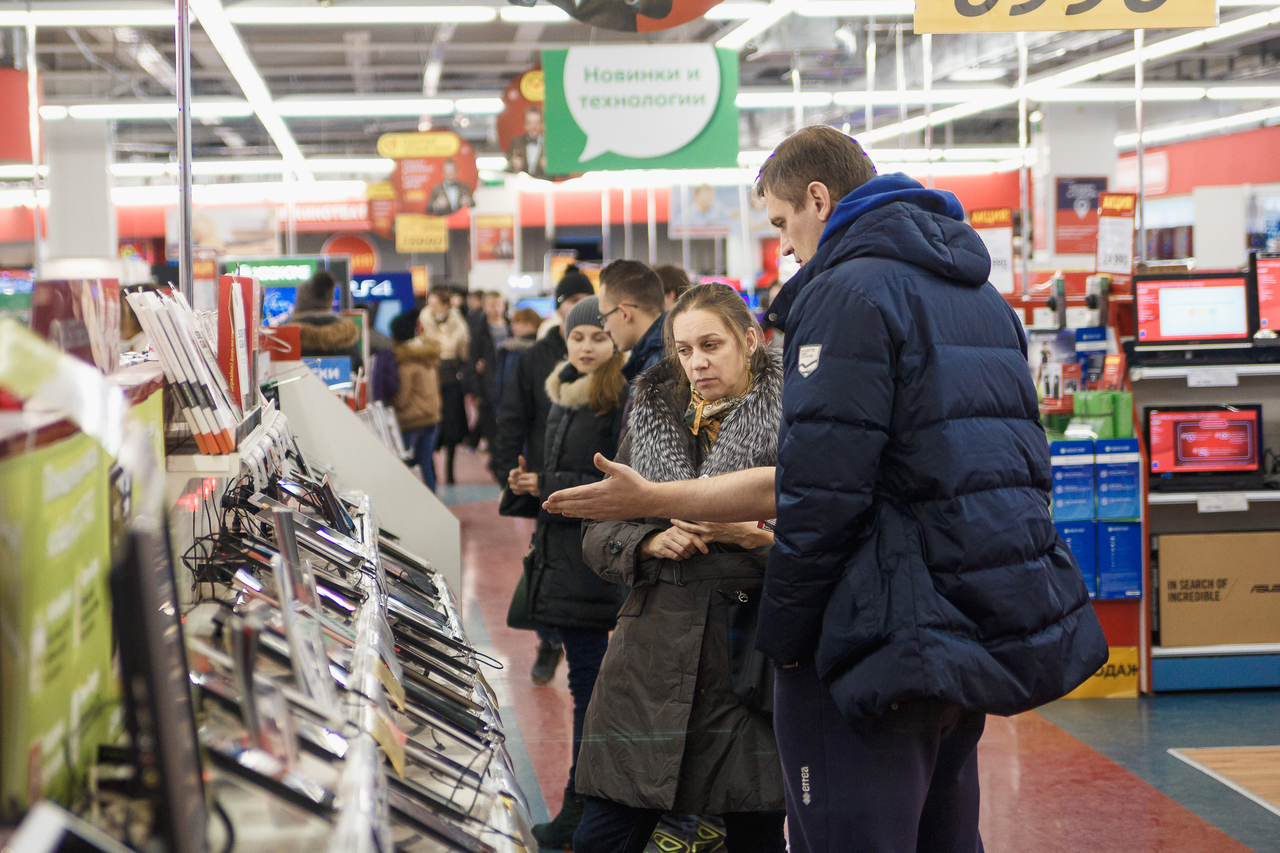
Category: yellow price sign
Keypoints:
(381, 190)
(428, 143)
(416, 232)
(1008, 16)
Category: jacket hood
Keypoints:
(894, 217)
(424, 351)
(659, 437)
(338, 333)
(571, 395)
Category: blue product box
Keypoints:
(1119, 559)
(1091, 352)
(1118, 469)
(1073, 463)
(1082, 538)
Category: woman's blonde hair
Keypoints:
(607, 385)
(729, 306)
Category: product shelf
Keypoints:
(1225, 667)
(1172, 498)
(1139, 373)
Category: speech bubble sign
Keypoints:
(641, 101)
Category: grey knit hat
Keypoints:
(585, 313)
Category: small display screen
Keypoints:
(1208, 309)
(1214, 440)
(1269, 292)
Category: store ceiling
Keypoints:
(99, 63)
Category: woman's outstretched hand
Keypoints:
(623, 494)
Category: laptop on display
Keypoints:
(1205, 448)
(1265, 269)
(1189, 312)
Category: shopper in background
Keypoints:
(587, 393)
(444, 323)
(675, 282)
(417, 400)
(474, 305)
(522, 428)
(631, 303)
(524, 331)
(917, 583)
(675, 724)
(489, 330)
(323, 332)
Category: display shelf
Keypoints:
(1171, 498)
(1181, 371)
(1215, 667)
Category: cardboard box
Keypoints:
(1117, 471)
(1119, 559)
(1072, 463)
(1082, 538)
(1219, 588)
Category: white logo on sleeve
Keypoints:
(809, 356)
(804, 785)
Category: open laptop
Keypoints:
(1202, 317)
(1205, 448)
(1264, 267)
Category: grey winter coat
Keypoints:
(665, 729)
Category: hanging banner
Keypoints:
(707, 211)
(995, 227)
(1075, 228)
(435, 171)
(630, 16)
(418, 233)
(604, 104)
(992, 16)
(520, 124)
(1115, 234)
(382, 207)
(494, 237)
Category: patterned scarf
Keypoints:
(705, 417)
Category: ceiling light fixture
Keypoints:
(213, 18)
(337, 108)
(856, 8)
(1198, 128)
(245, 14)
(978, 75)
(106, 15)
(740, 35)
(534, 15)
(767, 100)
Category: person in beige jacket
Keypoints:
(445, 324)
(417, 403)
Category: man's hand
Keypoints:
(745, 534)
(673, 544)
(521, 482)
(622, 495)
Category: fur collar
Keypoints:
(662, 448)
(425, 351)
(572, 395)
(333, 335)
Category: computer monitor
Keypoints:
(1266, 274)
(544, 305)
(1182, 311)
(1197, 440)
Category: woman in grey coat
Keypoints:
(681, 716)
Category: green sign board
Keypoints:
(640, 107)
(58, 693)
(276, 272)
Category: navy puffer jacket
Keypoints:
(915, 552)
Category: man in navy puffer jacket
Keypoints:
(917, 582)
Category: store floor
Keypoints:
(1082, 776)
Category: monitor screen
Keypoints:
(1268, 272)
(1208, 439)
(544, 305)
(1193, 309)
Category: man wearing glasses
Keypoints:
(632, 308)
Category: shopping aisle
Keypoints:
(1084, 776)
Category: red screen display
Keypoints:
(1269, 293)
(1195, 442)
(1193, 310)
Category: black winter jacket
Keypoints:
(564, 592)
(915, 552)
(522, 415)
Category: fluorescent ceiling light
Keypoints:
(534, 15)
(977, 75)
(213, 18)
(492, 164)
(317, 108)
(105, 15)
(765, 100)
(1198, 128)
(731, 11)
(53, 113)
(222, 167)
(1243, 93)
(314, 14)
(479, 106)
(20, 172)
(891, 98)
(757, 23)
(1119, 94)
(856, 8)
(370, 165)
